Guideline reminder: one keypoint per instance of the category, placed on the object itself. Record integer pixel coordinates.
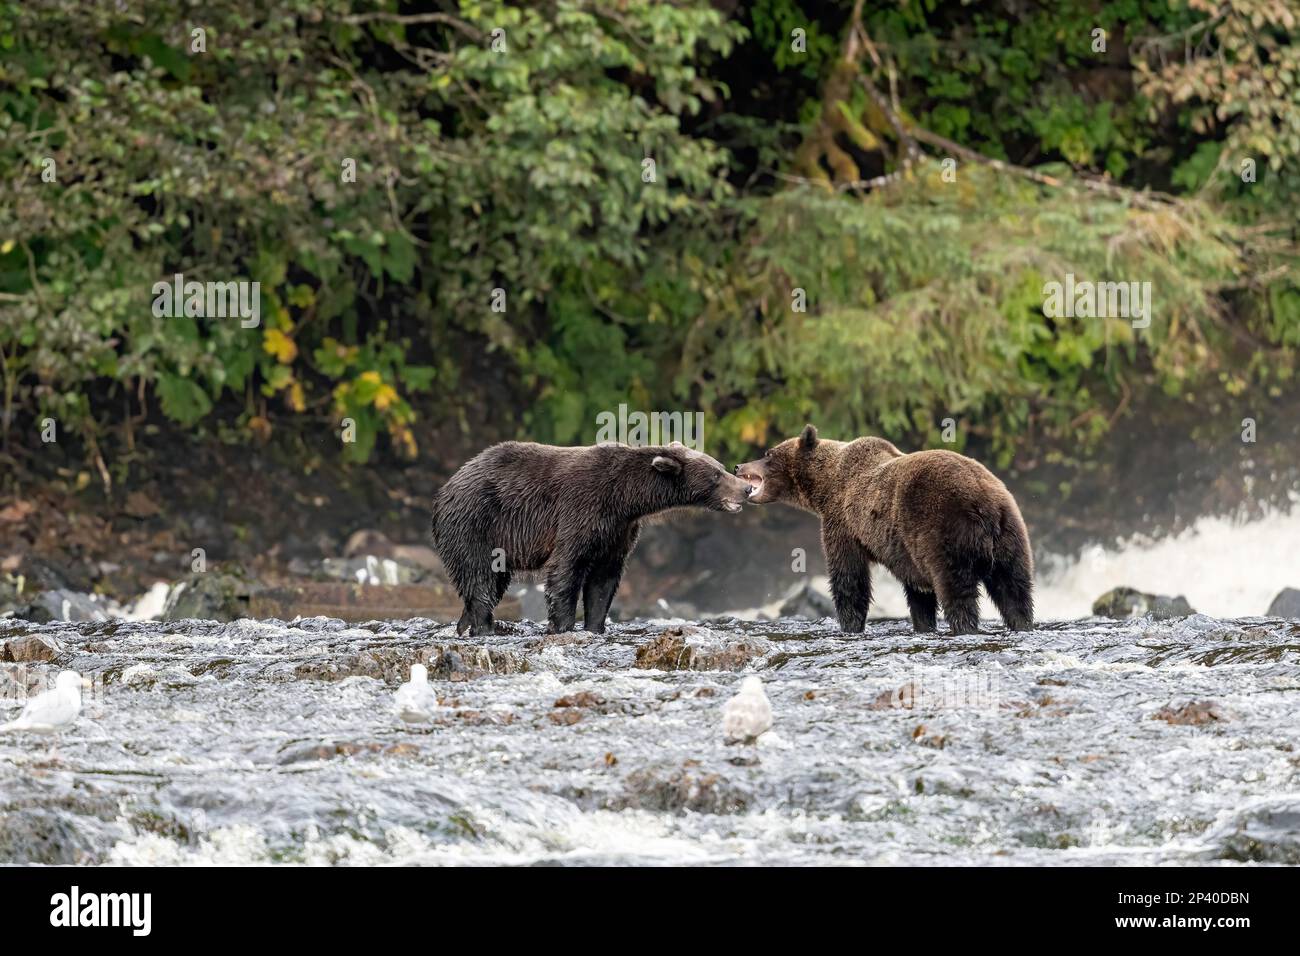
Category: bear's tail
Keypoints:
(1010, 579)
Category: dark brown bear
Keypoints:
(572, 513)
(941, 522)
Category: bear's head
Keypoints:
(778, 475)
(698, 480)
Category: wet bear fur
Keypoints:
(942, 523)
(572, 514)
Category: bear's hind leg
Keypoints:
(958, 593)
(476, 618)
(1012, 592)
(477, 586)
(924, 607)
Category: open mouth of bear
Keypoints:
(729, 505)
(755, 484)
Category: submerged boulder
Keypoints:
(30, 649)
(1194, 713)
(805, 601)
(10, 595)
(210, 596)
(1286, 604)
(372, 569)
(1268, 834)
(1124, 602)
(62, 605)
(692, 648)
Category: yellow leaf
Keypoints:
(6, 247)
(385, 396)
(753, 432)
(297, 400)
(405, 441)
(275, 342)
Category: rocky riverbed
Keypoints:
(261, 741)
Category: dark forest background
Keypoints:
(914, 170)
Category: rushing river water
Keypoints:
(267, 742)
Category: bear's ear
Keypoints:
(808, 440)
(669, 466)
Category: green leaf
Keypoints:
(182, 400)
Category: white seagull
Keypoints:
(415, 700)
(50, 711)
(747, 715)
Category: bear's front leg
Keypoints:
(850, 573)
(597, 596)
(603, 576)
(563, 584)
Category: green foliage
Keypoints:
(504, 233)
(931, 305)
(475, 169)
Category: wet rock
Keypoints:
(10, 594)
(584, 698)
(147, 675)
(1265, 835)
(939, 779)
(368, 541)
(904, 698)
(679, 790)
(1286, 604)
(1046, 705)
(307, 753)
(1194, 714)
(805, 601)
(62, 605)
(45, 575)
(42, 837)
(373, 570)
(479, 718)
(567, 639)
(468, 661)
(371, 543)
(30, 649)
(454, 662)
(694, 648)
(57, 829)
(926, 737)
(1124, 602)
(210, 596)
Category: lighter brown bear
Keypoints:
(942, 523)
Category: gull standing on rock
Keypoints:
(416, 700)
(51, 711)
(748, 714)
